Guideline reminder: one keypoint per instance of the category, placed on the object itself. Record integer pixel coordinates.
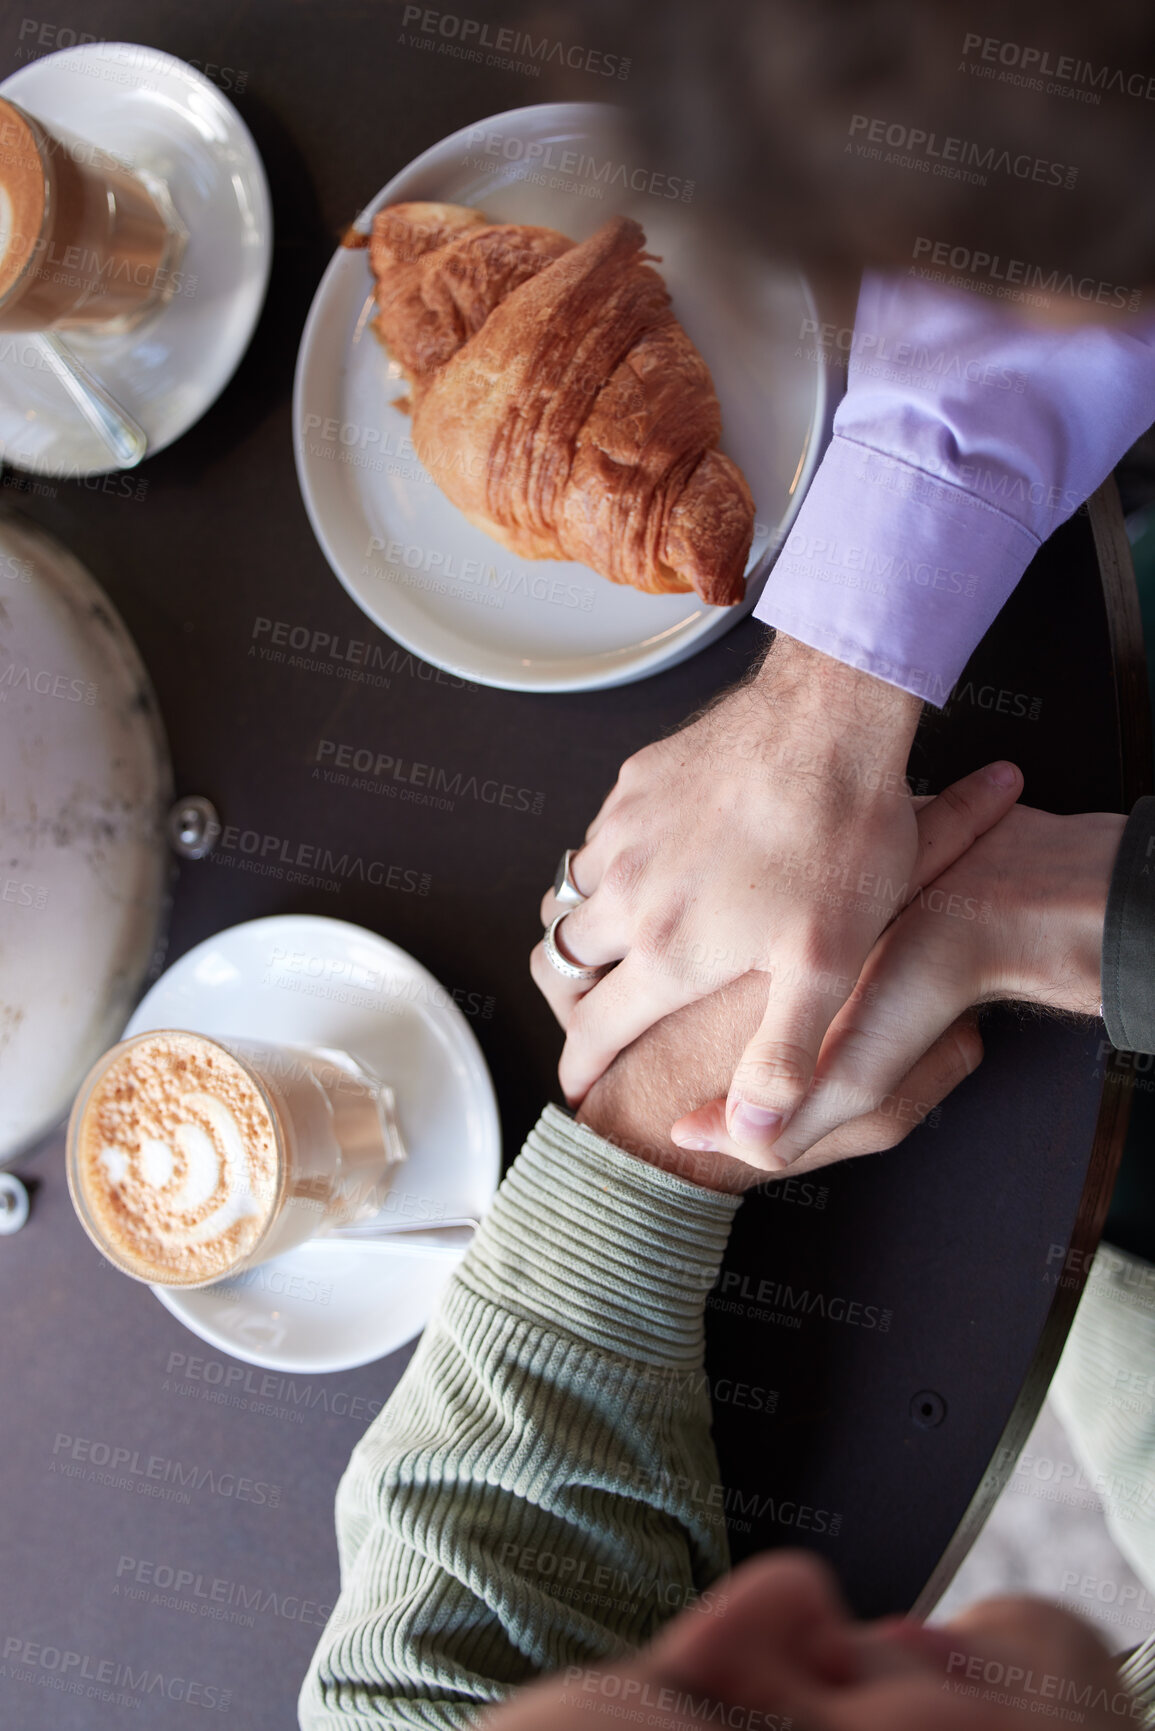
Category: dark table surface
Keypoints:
(939, 1279)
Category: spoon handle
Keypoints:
(405, 1228)
(450, 1236)
(393, 1245)
(124, 437)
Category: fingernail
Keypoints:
(1002, 775)
(696, 1144)
(755, 1123)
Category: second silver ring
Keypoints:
(560, 962)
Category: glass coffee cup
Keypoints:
(191, 1159)
(85, 240)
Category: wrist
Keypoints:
(1101, 832)
(848, 713)
(1053, 948)
(605, 1112)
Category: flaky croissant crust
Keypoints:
(557, 400)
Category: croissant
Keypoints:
(556, 399)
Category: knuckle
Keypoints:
(658, 932)
(958, 802)
(841, 1099)
(774, 1068)
(625, 873)
(633, 770)
(820, 951)
(866, 1053)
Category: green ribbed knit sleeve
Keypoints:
(541, 1490)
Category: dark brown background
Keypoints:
(957, 1237)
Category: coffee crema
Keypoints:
(177, 1160)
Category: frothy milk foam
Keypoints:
(177, 1159)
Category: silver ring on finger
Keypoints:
(566, 892)
(561, 963)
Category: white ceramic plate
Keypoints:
(410, 560)
(167, 118)
(320, 982)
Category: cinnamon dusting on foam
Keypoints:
(177, 1160)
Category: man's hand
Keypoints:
(1019, 916)
(775, 835)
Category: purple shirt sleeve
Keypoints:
(965, 438)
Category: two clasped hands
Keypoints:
(798, 948)
(766, 873)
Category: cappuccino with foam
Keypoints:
(190, 1159)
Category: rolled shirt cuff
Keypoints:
(891, 570)
(1128, 964)
(602, 1246)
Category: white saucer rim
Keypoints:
(516, 116)
(256, 169)
(168, 1297)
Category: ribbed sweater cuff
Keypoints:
(602, 1246)
(1137, 1673)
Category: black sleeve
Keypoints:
(1128, 969)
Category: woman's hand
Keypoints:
(1018, 916)
(689, 1056)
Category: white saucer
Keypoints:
(448, 591)
(167, 118)
(313, 981)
